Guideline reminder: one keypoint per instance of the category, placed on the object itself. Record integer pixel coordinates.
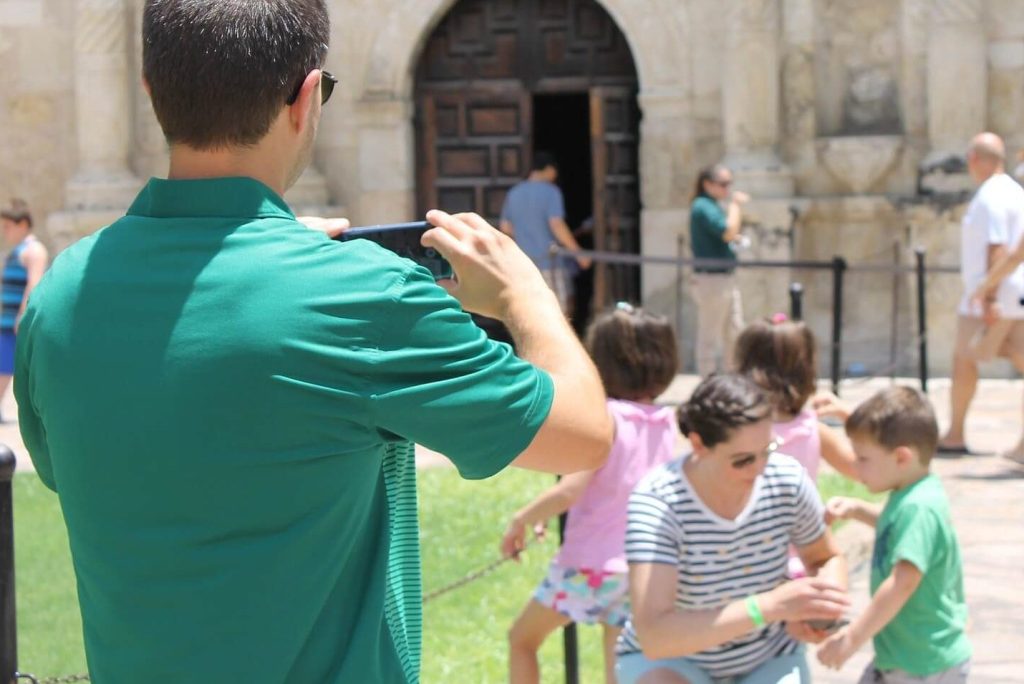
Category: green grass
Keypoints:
(461, 524)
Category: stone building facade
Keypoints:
(831, 112)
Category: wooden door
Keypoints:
(614, 122)
(474, 146)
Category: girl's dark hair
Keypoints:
(782, 358)
(708, 173)
(635, 352)
(220, 72)
(720, 405)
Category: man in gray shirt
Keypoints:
(534, 215)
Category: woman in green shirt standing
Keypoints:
(716, 217)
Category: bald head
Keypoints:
(986, 156)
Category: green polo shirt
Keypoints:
(708, 223)
(224, 402)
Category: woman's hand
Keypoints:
(802, 631)
(837, 649)
(809, 598)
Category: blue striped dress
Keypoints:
(719, 560)
(15, 280)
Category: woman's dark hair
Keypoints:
(782, 358)
(18, 212)
(720, 405)
(708, 173)
(220, 72)
(635, 352)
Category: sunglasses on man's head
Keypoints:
(327, 83)
(747, 460)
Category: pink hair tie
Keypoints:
(779, 318)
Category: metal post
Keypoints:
(796, 301)
(894, 321)
(8, 626)
(570, 643)
(680, 247)
(922, 319)
(838, 271)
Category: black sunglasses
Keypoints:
(750, 459)
(327, 83)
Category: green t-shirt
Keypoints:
(707, 226)
(224, 402)
(927, 635)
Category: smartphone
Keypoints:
(404, 240)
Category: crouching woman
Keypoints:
(707, 544)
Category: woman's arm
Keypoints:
(665, 631)
(823, 559)
(837, 451)
(554, 501)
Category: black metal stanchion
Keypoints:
(922, 318)
(8, 622)
(796, 301)
(680, 255)
(570, 643)
(838, 272)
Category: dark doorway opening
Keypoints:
(561, 126)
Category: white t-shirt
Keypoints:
(994, 217)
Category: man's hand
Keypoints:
(837, 649)
(333, 227)
(585, 262)
(491, 272)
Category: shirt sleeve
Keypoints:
(708, 217)
(441, 382)
(32, 431)
(652, 531)
(809, 522)
(556, 203)
(915, 536)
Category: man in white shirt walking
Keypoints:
(992, 227)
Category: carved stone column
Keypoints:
(750, 97)
(957, 76)
(103, 107)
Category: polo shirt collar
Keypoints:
(209, 197)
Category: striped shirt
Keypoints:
(15, 280)
(719, 560)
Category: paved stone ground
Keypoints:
(987, 495)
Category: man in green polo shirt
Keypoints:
(224, 399)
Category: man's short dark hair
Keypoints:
(18, 212)
(220, 72)
(542, 160)
(897, 417)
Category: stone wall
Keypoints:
(828, 106)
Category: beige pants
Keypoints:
(719, 319)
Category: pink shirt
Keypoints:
(801, 440)
(595, 535)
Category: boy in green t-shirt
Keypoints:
(917, 611)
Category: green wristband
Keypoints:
(754, 612)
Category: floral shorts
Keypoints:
(586, 596)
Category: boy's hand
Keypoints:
(840, 508)
(828, 405)
(837, 649)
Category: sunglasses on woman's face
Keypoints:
(327, 83)
(747, 460)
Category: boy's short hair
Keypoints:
(895, 417)
(18, 212)
(220, 72)
(542, 159)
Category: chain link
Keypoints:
(67, 679)
(473, 576)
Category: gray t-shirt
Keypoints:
(529, 207)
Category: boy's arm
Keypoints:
(887, 602)
(554, 501)
(848, 508)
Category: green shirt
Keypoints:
(707, 226)
(223, 400)
(927, 635)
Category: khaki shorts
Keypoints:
(975, 340)
(954, 675)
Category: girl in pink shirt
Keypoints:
(780, 356)
(636, 355)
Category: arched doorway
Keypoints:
(499, 79)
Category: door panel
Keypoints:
(614, 120)
(475, 146)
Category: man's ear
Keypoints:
(145, 86)
(309, 97)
